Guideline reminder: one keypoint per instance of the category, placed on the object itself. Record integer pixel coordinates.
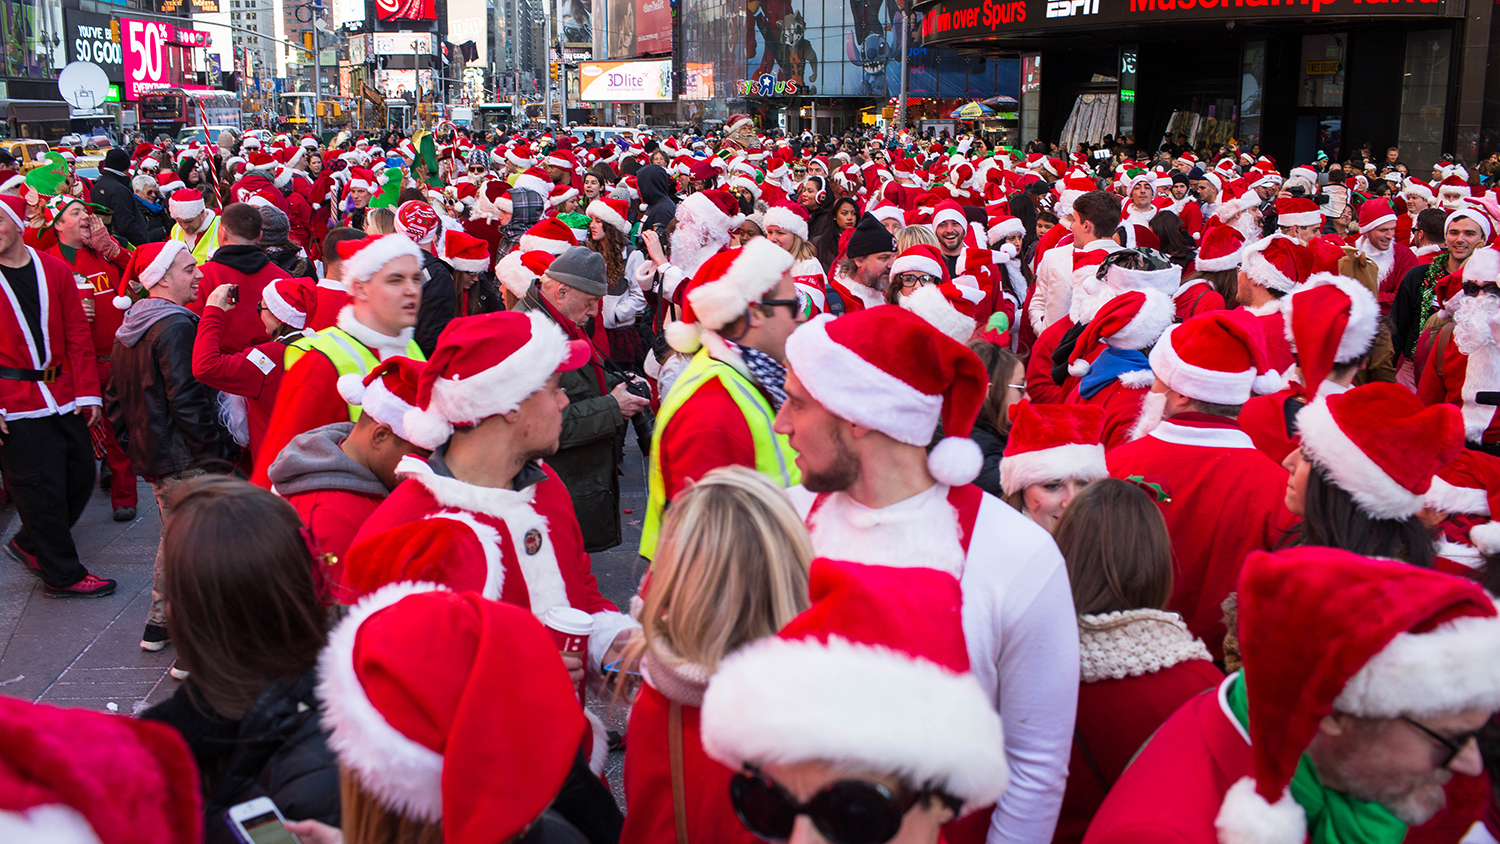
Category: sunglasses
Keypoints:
(795, 305)
(1474, 288)
(1453, 746)
(844, 812)
(911, 280)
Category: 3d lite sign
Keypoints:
(616, 82)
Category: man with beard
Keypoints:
(1425, 289)
(950, 225)
(1377, 239)
(865, 271)
(1222, 497)
(865, 393)
(1342, 725)
(1465, 359)
(704, 220)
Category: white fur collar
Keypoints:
(1429, 249)
(1271, 307)
(869, 296)
(922, 530)
(1131, 643)
(383, 345)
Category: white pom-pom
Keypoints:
(684, 337)
(1486, 537)
(1079, 368)
(1267, 383)
(1246, 818)
(426, 428)
(123, 302)
(955, 461)
(352, 388)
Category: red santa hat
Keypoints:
(1381, 445)
(186, 204)
(875, 675)
(944, 306)
(147, 267)
(519, 270)
(949, 211)
(417, 220)
(1373, 214)
(789, 217)
(11, 182)
(1331, 319)
(442, 728)
(890, 370)
(484, 366)
(1003, 226)
(550, 235)
(921, 258)
(1297, 211)
(1217, 357)
(1221, 250)
(521, 156)
(724, 288)
(714, 210)
(535, 180)
(387, 392)
(560, 194)
(1479, 217)
(290, 301)
(1277, 263)
(1419, 188)
(1324, 630)
(493, 198)
(1133, 320)
(611, 212)
(70, 776)
(1052, 442)
(1139, 237)
(363, 258)
(887, 210)
(463, 251)
(14, 207)
(362, 178)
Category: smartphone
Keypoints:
(234, 294)
(258, 821)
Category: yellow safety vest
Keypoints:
(208, 241)
(348, 355)
(774, 456)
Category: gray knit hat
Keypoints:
(274, 227)
(580, 268)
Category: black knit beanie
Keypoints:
(870, 237)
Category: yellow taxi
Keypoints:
(26, 151)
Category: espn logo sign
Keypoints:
(1070, 8)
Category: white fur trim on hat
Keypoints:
(607, 215)
(1224, 262)
(852, 388)
(930, 304)
(785, 702)
(1301, 218)
(1364, 316)
(1423, 675)
(535, 184)
(1351, 469)
(917, 262)
(1246, 818)
(499, 389)
(516, 277)
(400, 773)
(154, 271)
(1005, 228)
(282, 309)
(536, 243)
(698, 209)
(469, 265)
(183, 209)
(1196, 382)
(1262, 271)
(383, 405)
(1447, 498)
(1486, 539)
(1377, 223)
(1121, 279)
(51, 823)
(787, 220)
(1146, 327)
(362, 265)
(949, 215)
(756, 270)
(1074, 461)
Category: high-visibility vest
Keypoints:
(208, 240)
(774, 456)
(348, 356)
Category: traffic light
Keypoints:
(553, 65)
(307, 42)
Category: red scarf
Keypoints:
(571, 328)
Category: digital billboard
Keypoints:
(411, 10)
(616, 82)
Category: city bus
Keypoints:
(169, 111)
(297, 111)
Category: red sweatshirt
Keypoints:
(254, 373)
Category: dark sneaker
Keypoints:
(89, 587)
(27, 561)
(124, 514)
(155, 638)
(106, 478)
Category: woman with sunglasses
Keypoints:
(860, 722)
(730, 569)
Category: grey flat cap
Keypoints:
(580, 268)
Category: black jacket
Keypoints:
(992, 444)
(166, 419)
(656, 192)
(439, 301)
(290, 259)
(277, 750)
(128, 218)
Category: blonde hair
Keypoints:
(801, 249)
(913, 235)
(365, 820)
(731, 568)
(380, 221)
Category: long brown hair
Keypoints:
(242, 604)
(1000, 362)
(1225, 282)
(612, 247)
(1114, 540)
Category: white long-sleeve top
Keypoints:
(1054, 288)
(620, 311)
(1018, 620)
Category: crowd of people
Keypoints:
(991, 497)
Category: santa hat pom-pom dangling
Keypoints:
(426, 428)
(1486, 537)
(352, 388)
(1267, 383)
(1246, 818)
(123, 302)
(1079, 368)
(684, 337)
(955, 461)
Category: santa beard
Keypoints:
(692, 244)
(926, 535)
(1247, 224)
(1474, 323)
(1153, 408)
(1383, 260)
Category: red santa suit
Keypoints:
(1196, 296)
(1465, 359)
(63, 345)
(332, 297)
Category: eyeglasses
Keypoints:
(911, 280)
(261, 307)
(845, 812)
(794, 305)
(1474, 289)
(1454, 746)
